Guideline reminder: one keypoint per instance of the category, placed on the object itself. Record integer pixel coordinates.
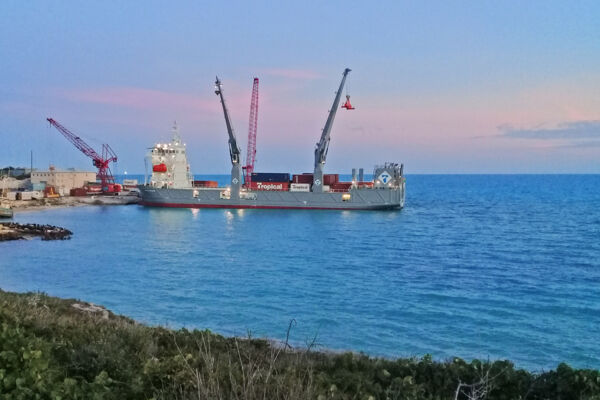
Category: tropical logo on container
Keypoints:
(269, 186)
(384, 177)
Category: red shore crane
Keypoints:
(252, 125)
(100, 161)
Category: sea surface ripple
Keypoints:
(475, 266)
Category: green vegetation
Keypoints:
(64, 349)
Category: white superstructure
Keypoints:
(170, 169)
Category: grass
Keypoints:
(50, 349)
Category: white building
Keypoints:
(63, 180)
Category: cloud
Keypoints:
(581, 144)
(564, 130)
(300, 74)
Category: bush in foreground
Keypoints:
(63, 349)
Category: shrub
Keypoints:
(52, 350)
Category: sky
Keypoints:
(443, 87)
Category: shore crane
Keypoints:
(100, 161)
(323, 146)
(252, 126)
(234, 149)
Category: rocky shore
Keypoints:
(15, 231)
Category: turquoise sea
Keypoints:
(475, 266)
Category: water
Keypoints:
(474, 266)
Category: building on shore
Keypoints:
(62, 180)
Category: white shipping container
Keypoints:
(11, 195)
(300, 187)
(130, 182)
(37, 194)
(26, 195)
(326, 188)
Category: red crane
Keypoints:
(252, 125)
(100, 161)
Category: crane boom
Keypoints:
(252, 130)
(323, 145)
(100, 161)
(234, 149)
(76, 140)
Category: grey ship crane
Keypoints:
(234, 149)
(323, 145)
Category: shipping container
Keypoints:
(79, 192)
(365, 184)
(300, 187)
(270, 177)
(206, 184)
(330, 179)
(304, 178)
(269, 185)
(11, 195)
(24, 196)
(130, 182)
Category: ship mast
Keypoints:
(234, 149)
(323, 145)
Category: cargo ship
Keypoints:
(171, 183)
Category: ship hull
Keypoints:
(360, 199)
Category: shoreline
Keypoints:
(69, 201)
(39, 205)
(113, 354)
